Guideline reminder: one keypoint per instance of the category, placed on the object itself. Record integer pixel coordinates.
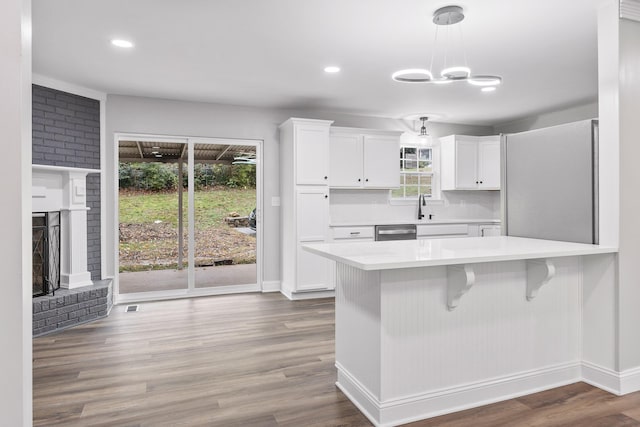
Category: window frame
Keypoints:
(434, 174)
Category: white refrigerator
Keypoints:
(550, 183)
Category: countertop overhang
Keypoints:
(436, 252)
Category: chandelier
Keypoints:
(447, 16)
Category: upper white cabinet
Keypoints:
(470, 162)
(309, 146)
(362, 158)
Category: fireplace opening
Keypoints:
(46, 252)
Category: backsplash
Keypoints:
(351, 206)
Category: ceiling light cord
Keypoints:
(464, 48)
(433, 50)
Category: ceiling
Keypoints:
(271, 53)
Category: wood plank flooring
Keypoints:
(245, 360)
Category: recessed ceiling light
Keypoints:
(156, 148)
(122, 43)
(488, 89)
(332, 69)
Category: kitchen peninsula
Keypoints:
(427, 327)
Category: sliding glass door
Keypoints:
(188, 217)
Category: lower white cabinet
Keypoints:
(489, 230)
(346, 235)
(359, 234)
(440, 231)
(312, 226)
(484, 230)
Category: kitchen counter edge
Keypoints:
(411, 253)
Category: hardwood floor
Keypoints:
(245, 360)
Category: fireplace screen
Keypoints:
(46, 252)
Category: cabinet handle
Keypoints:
(326, 197)
(359, 180)
(325, 177)
(480, 182)
(366, 180)
(477, 182)
(354, 233)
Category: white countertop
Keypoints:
(414, 221)
(434, 252)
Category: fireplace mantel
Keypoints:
(59, 188)
(62, 169)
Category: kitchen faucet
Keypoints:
(420, 204)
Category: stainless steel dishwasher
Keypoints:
(396, 232)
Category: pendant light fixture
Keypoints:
(423, 129)
(447, 16)
(423, 136)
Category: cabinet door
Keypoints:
(489, 230)
(489, 164)
(345, 161)
(312, 154)
(381, 162)
(312, 271)
(466, 163)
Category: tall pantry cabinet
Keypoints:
(304, 193)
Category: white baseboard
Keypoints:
(270, 286)
(603, 378)
(618, 383)
(630, 380)
(296, 296)
(434, 403)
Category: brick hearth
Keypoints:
(70, 307)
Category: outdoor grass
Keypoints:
(213, 204)
(148, 227)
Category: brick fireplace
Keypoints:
(63, 189)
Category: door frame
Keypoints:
(190, 291)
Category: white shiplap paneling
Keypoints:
(630, 9)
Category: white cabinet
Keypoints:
(441, 231)
(312, 214)
(311, 147)
(354, 234)
(489, 230)
(484, 230)
(304, 195)
(470, 162)
(364, 158)
(365, 233)
(345, 165)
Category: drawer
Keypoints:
(443, 230)
(353, 233)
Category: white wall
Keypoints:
(566, 115)
(351, 206)
(147, 115)
(619, 96)
(629, 282)
(15, 218)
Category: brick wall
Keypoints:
(70, 307)
(66, 132)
